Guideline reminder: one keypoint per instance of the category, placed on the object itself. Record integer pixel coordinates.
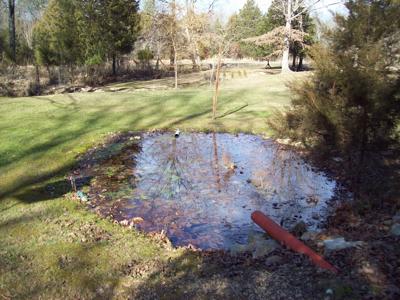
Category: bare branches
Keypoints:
(212, 5)
(275, 36)
(311, 8)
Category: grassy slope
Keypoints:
(51, 246)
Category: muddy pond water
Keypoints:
(202, 188)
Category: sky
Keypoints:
(227, 8)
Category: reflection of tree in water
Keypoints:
(226, 162)
(172, 177)
(215, 163)
(287, 181)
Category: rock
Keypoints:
(263, 247)
(396, 218)
(340, 244)
(309, 235)
(329, 292)
(395, 230)
(100, 291)
(299, 229)
(124, 222)
(284, 141)
(87, 89)
(273, 260)
(257, 244)
(337, 159)
(387, 222)
(137, 220)
(238, 249)
(315, 216)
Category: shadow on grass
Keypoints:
(50, 190)
(70, 125)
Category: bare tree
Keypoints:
(28, 13)
(194, 28)
(221, 39)
(173, 32)
(291, 10)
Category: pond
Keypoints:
(201, 188)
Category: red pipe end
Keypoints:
(283, 236)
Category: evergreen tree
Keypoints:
(248, 22)
(74, 32)
(108, 29)
(56, 35)
(352, 103)
(121, 28)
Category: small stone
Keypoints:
(396, 218)
(284, 141)
(315, 216)
(387, 222)
(137, 220)
(340, 244)
(273, 260)
(395, 230)
(309, 235)
(124, 222)
(329, 292)
(299, 229)
(264, 247)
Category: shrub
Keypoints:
(145, 56)
(351, 103)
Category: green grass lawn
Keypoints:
(52, 247)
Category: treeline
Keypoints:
(73, 32)
(90, 33)
(70, 32)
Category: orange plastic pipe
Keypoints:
(281, 235)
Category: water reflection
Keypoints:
(202, 188)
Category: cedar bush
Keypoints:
(352, 100)
(351, 103)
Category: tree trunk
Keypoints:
(288, 27)
(175, 65)
(194, 62)
(294, 61)
(171, 57)
(215, 98)
(361, 157)
(37, 79)
(114, 65)
(59, 75)
(11, 28)
(300, 65)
